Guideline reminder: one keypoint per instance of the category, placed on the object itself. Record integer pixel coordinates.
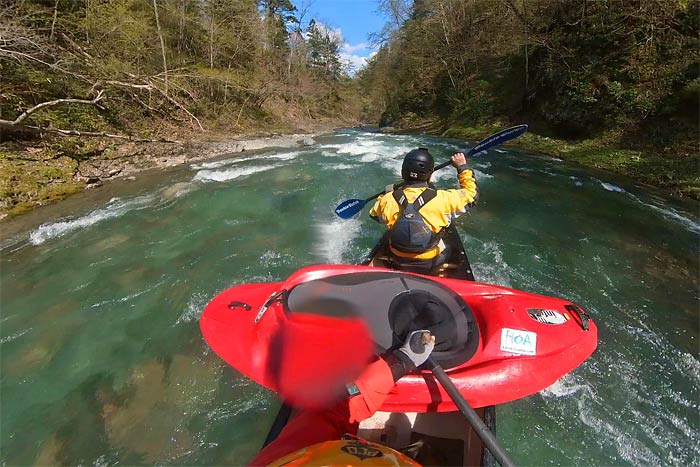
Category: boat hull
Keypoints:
(517, 354)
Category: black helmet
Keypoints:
(417, 166)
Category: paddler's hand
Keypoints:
(459, 161)
(414, 352)
(418, 347)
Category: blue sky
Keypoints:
(354, 19)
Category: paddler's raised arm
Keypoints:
(458, 201)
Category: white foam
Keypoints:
(495, 270)
(371, 150)
(193, 310)
(285, 156)
(129, 297)
(439, 176)
(565, 387)
(689, 365)
(221, 163)
(672, 214)
(451, 146)
(339, 167)
(254, 401)
(589, 408)
(481, 175)
(14, 336)
(237, 160)
(333, 239)
(230, 174)
(611, 187)
(273, 258)
(114, 208)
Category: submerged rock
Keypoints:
(177, 189)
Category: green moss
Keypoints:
(677, 174)
(27, 183)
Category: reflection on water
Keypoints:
(102, 359)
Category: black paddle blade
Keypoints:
(350, 207)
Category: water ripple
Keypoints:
(114, 208)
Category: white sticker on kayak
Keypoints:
(546, 316)
(517, 341)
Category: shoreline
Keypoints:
(106, 161)
(673, 176)
(38, 176)
(165, 155)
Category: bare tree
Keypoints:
(28, 112)
(162, 45)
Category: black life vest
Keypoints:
(410, 233)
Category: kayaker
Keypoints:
(417, 214)
(327, 437)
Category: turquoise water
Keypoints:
(102, 359)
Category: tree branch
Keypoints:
(102, 134)
(28, 112)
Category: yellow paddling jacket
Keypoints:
(438, 213)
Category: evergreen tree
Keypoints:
(324, 51)
(278, 15)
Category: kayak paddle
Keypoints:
(350, 207)
(474, 420)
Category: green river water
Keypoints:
(103, 362)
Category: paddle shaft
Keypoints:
(474, 420)
(350, 207)
(400, 184)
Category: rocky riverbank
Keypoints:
(672, 171)
(35, 175)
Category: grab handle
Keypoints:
(583, 317)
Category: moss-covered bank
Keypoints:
(40, 172)
(677, 174)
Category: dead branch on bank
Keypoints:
(28, 112)
(17, 125)
(103, 134)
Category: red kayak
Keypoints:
(496, 344)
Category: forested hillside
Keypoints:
(610, 83)
(79, 77)
(154, 65)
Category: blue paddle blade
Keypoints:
(350, 207)
(498, 138)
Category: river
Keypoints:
(103, 362)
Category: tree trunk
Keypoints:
(527, 55)
(162, 46)
(53, 23)
(211, 39)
